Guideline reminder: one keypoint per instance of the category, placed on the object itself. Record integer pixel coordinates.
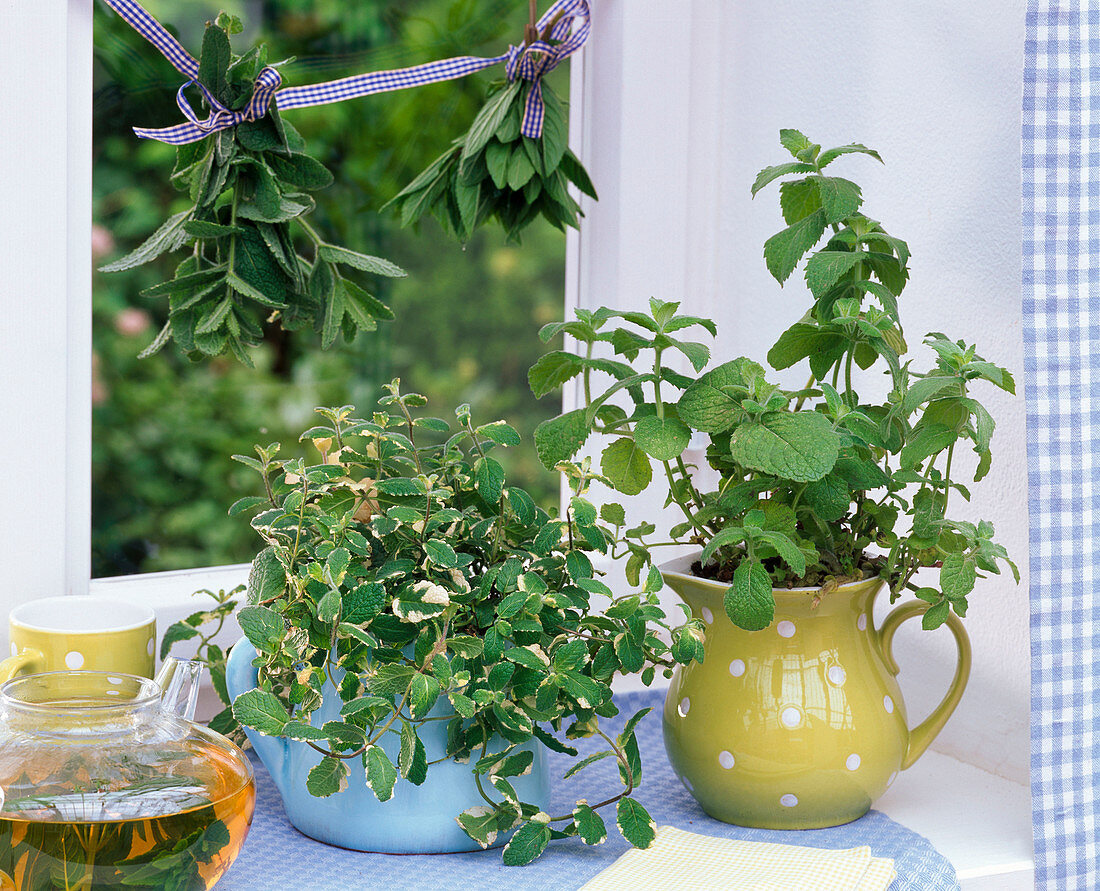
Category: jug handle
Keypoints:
(922, 735)
(240, 677)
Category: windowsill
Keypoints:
(935, 798)
(979, 821)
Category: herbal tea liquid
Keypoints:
(179, 833)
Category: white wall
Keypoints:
(676, 133)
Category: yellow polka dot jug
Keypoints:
(801, 725)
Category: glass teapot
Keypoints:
(106, 782)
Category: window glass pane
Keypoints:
(467, 316)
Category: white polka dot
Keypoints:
(853, 762)
(684, 707)
(888, 704)
(785, 628)
(788, 800)
(149, 646)
(74, 659)
(737, 668)
(836, 675)
(708, 616)
(791, 717)
(725, 759)
(861, 622)
(112, 692)
(114, 680)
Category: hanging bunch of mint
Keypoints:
(493, 171)
(249, 186)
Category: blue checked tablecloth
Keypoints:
(1061, 310)
(275, 855)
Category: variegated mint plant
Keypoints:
(402, 564)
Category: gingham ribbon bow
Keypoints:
(563, 30)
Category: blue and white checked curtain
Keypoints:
(1061, 311)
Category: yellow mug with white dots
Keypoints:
(80, 633)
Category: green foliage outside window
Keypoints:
(164, 428)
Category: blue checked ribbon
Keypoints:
(562, 31)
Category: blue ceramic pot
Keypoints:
(416, 820)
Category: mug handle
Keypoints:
(17, 664)
(922, 735)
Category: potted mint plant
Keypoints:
(795, 718)
(419, 632)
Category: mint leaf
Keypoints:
(552, 370)
(381, 774)
(263, 627)
(832, 154)
(840, 198)
(500, 432)
(787, 550)
(480, 823)
(825, 268)
(798, 199)
(489, 478)
(626, 466)
(301, 170)
(713, 403)
(749, 601)
(629, 652)
(784, 249)
(441, 553)
(327, 778)
(768, 174)
(214, 61)
(927, 441)
(423, 692)
(177, 632)
(167, 238)
(364, 262)
(560, 438)
(828, 497)
(802, 447)
(261, 711)
(590, 826)
(803, 340)
(328, 609)
(528, 843)
(795, 142)
(635, 823)
(935, 616)
(958, 575)
(266, 579)
(662, 438)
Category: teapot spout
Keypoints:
(179, 684)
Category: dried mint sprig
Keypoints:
(249, 186)
(495, 172)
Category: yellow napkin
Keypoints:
(679, 859)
